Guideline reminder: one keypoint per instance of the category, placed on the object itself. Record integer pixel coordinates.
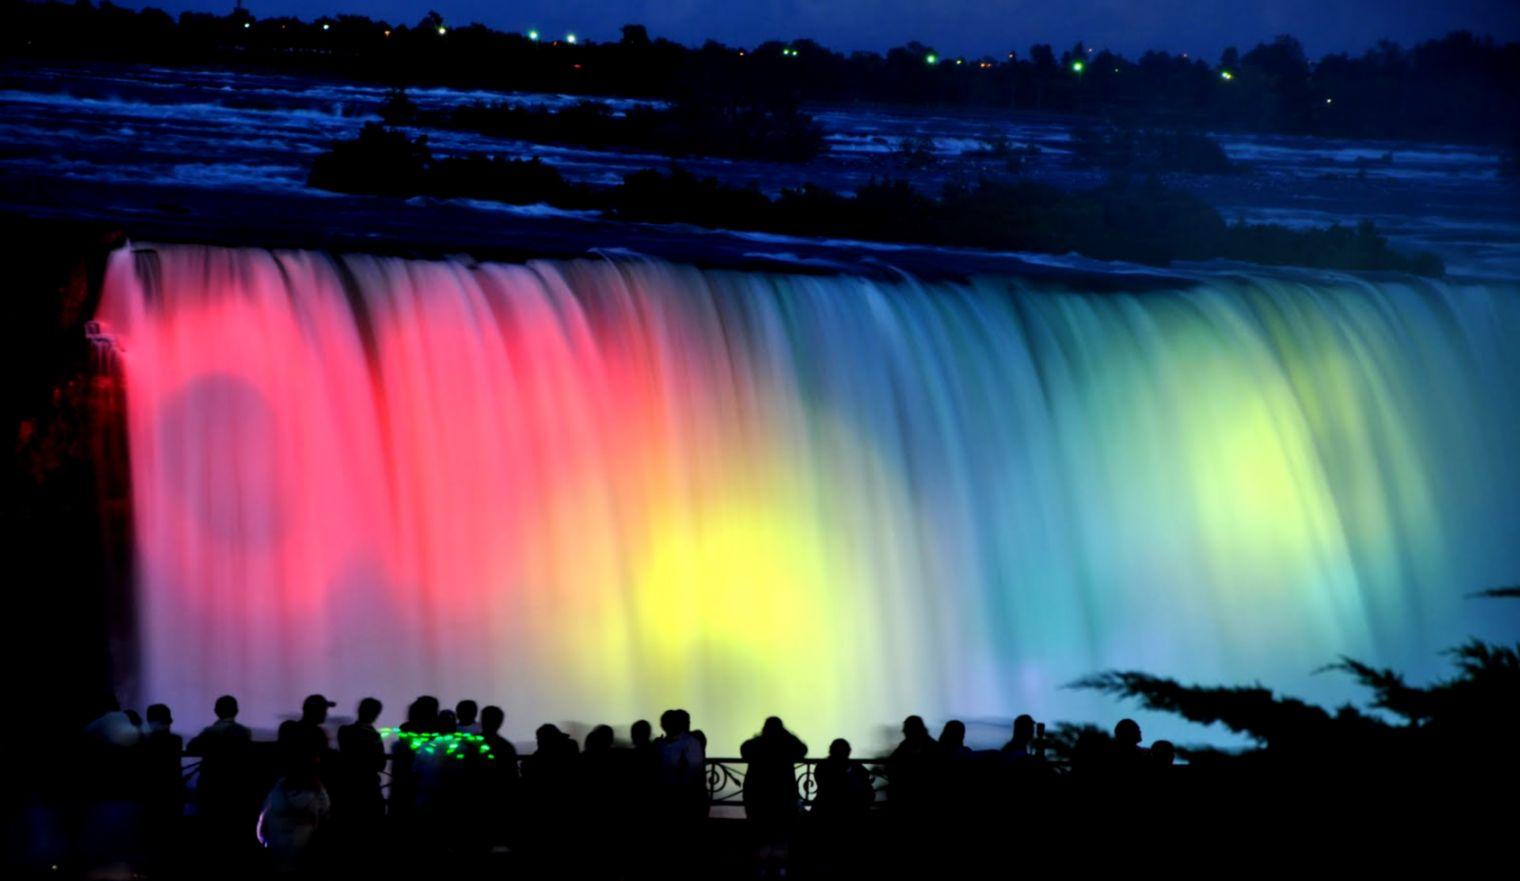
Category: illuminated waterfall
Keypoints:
(592, 490)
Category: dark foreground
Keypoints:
(975, 815)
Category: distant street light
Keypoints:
(570, 38)
(1078, 66)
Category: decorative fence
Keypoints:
(725, 778)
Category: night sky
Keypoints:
(970, 27)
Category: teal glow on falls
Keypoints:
(593, 490)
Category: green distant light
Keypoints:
(1078, 66)
(570, 38)
(442, 30)
(931, 58)
(533, 35)
(1226, 75)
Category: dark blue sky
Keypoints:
(955, 26)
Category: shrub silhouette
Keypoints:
(1474, 711)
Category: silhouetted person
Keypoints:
(1021, 745)
(600, 776)
(111, 766)
(465, 717)
(422, 715)
(551, 783)
(770, 778)
(362, 753)
(640, 766)
(491, 720)
(303, 742)
(952, 739)
(163, 785)
(953, 785)
(294, 815)
(1159, 771)
(1025, 771)
(447, 722)
(162, 749)
(681, 798)
(1126, 759)
(225, 788)
(681, 773)
(499, 789)
(844, 787)
(432, 773)
(552, 764)
(910, 770)
(421, 720)
(636, 791)
(598, 764)
(841, 802)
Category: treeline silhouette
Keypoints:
(1135, 219)
(1461, 87)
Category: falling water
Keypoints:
(592, 490)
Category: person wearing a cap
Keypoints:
(303, 742)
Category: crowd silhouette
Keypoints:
(446, 793)
(451, 790)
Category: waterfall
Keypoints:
(591, 490)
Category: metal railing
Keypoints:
(725, 777)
